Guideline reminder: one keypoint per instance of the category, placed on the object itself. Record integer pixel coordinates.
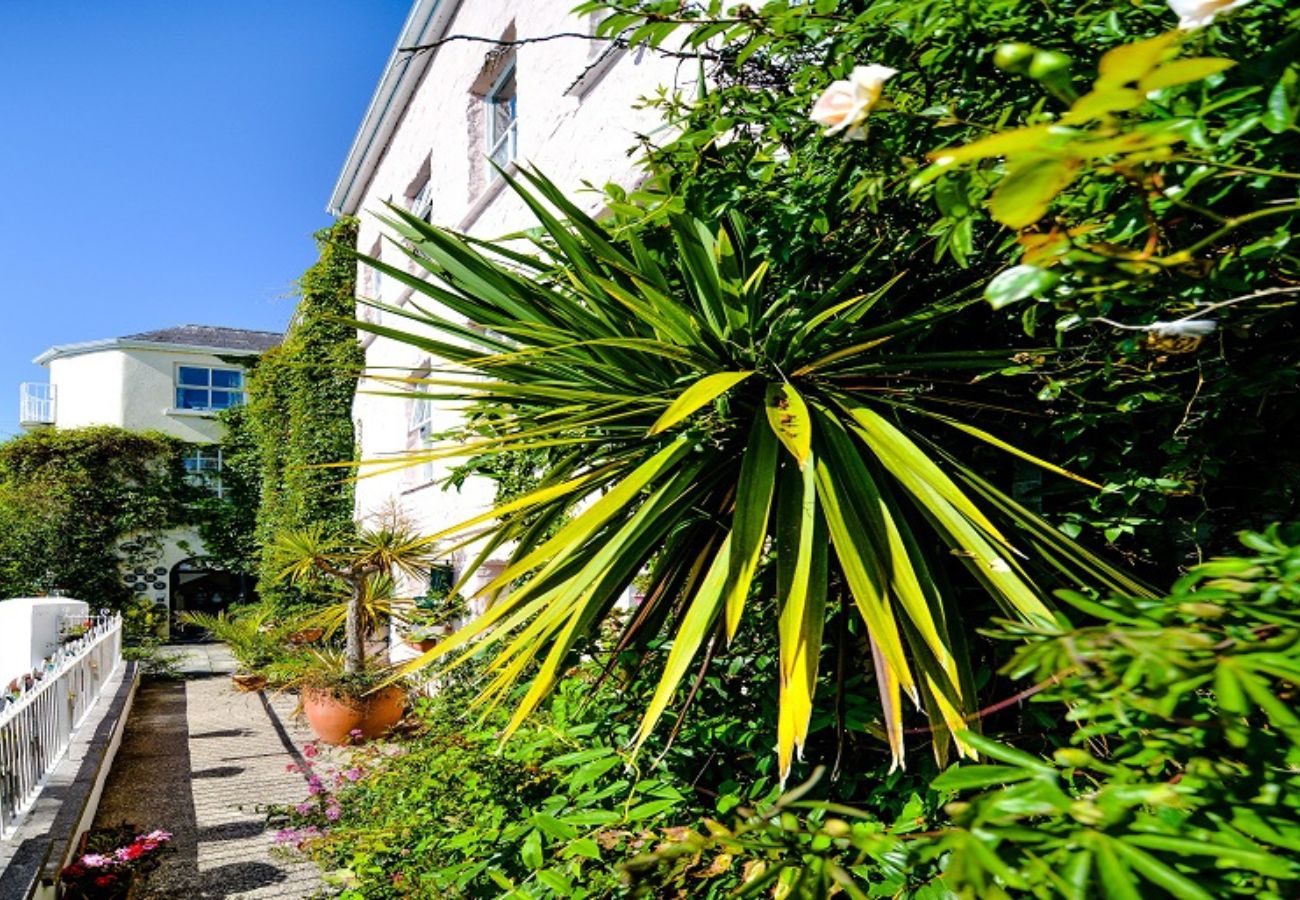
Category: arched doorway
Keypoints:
(197, 587)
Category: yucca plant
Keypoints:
(359, 571)
(707, 418)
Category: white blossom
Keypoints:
(845, 105)
(1199, 13)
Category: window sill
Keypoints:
(486, 196)
(196, 413)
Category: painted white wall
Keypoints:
(88, 389)
(29, 631)
(132, 388)
(573, 137)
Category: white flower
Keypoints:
(845, 105)
(1183, 328)
(1199, 13)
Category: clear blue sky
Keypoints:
(166, 163)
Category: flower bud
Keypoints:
(1014, 57)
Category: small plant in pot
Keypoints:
(433, 617)
(254, 639)
(350, 691)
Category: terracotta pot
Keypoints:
(333, 716)
(248, 682)
(306, 636)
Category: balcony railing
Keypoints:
(41, 710)
(37, 407)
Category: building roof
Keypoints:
(426, 23)
(211, 336)
(211, 339)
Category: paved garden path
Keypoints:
(202, 761)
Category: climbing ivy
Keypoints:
(71, 499)
(298, 421)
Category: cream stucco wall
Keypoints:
(572, 137)
(131, 387)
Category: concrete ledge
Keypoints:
(66, 806)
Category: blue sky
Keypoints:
(166, 163)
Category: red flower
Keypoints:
(105, 880)
(135, 851)
(74, 871)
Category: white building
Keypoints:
(489, 91)
(174, 381)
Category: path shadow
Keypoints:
(218, 772)
(224, 733)
(231, 831)
(234, 879)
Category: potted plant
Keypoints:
(433, 617)
(347, 692)
(253, 638)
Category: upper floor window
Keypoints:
(419, 193)
(204, 388)
(419, 433)
(502, 113)
(203, 467)
(376, 277)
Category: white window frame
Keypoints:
(376, 276)
(503, 148)
(420, 203)
(201, 476)
(419, 433)
(241, 392)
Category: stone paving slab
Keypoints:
(203, 760)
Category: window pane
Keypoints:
(226, 399)
(192, 375)
(227, 378)
(189, 398)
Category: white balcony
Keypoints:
(37, 404)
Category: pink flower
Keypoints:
(292, 767)
(310, 750)
(353, 774)
(96, 861)
(332, 813)
(304, 809)
(356, 733)
(845, 105)
(314, 786)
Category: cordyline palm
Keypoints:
(702, 424)
(361, 569)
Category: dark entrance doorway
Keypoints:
(196, 587)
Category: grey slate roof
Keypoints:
(214, 336)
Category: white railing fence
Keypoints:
(42, 709)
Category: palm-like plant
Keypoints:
(703, 422)
(361, 570)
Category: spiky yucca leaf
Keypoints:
(715, 421)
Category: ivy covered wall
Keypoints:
(298, 420)
(68, 499)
